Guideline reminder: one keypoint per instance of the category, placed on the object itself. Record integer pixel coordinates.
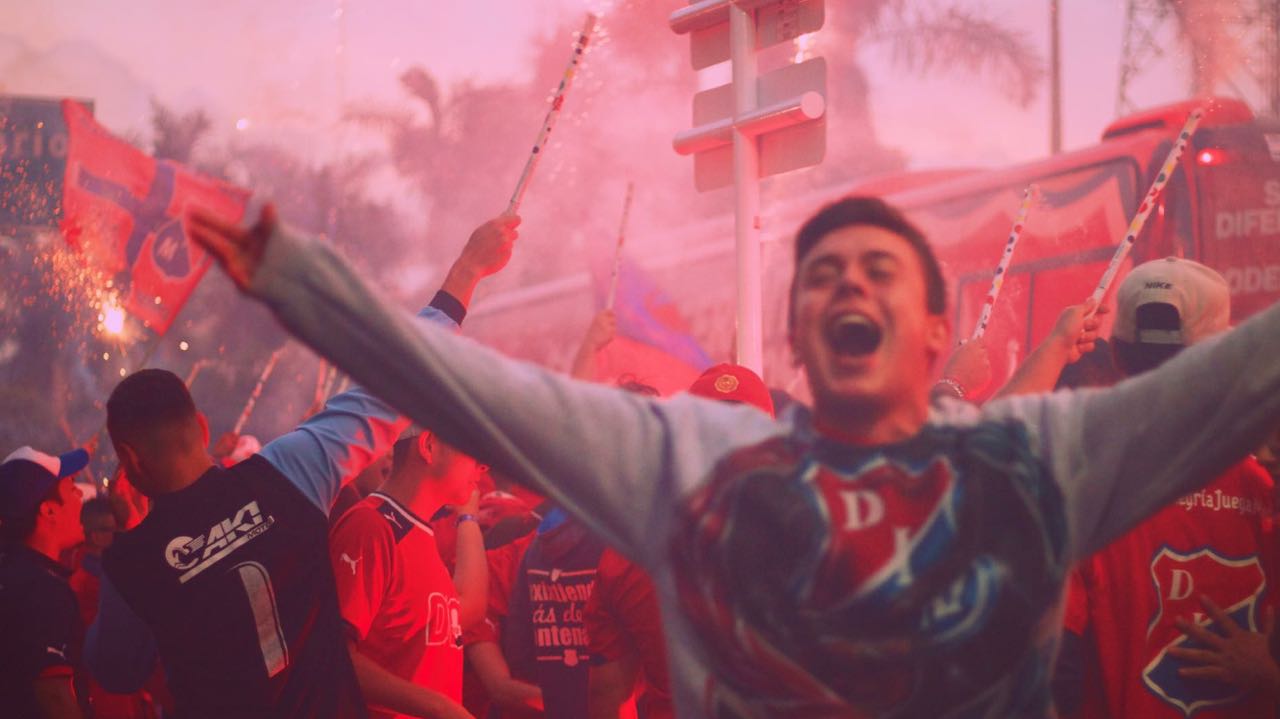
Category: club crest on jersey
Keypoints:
(888, 522)
(1235, 584)
(196, 554)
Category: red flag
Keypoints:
(124, 211)
(625, 358)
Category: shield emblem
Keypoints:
(1235, 584)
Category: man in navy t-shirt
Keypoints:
(40, 630)
(229, 572)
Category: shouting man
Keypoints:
(871, 557)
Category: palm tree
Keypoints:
(631, 98)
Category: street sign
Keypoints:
(33, 160)
(790, 124)
(777, 21)
(757, 125)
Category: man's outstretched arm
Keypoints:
(1122, 453)
(617, 460)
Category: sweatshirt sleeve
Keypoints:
(354, 428)
(616, 460)
(1119, 454)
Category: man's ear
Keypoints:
(426, 448)
(48, 508)
(938, 335)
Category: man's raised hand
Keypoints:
(488, 249)
(1077, 329)
(239, 250)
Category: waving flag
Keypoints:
(124, 210)
(654, 342)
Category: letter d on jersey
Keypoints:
(1181, 585)
(863, 509)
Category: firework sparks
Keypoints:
(112, 318)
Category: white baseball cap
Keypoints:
(1171, 302)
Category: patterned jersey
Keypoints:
(1216, 542)
(397, 598)
(918, 579)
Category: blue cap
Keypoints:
(28, 475)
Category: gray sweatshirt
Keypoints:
(799, 576)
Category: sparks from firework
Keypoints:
(112, 317)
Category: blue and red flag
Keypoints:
(124, 211)
(654, 342)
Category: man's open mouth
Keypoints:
(853, 335)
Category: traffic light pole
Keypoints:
(749, 351)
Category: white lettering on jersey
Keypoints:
(198, 554)
(863, 509)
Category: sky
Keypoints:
(279, 68)
(278, 72)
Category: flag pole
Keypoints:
(617, 252)
(1148, 203)
(997, 279)
(553, 114)
(257, 391)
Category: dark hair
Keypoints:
(1134, 358)
(96, 507)
(874, 212)
(629, 383)
(1093, 369)
(401, 449)
(147, 405)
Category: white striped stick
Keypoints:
(997, 280)
(1148, 203)
(553, 114)
(617, 253)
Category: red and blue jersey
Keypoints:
(396, 596)
(896, 581)
(1216, 542)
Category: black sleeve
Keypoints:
(449, 305)
(1068, 675)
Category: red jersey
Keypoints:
(396, 596)
(622, 618)
(1215, 542)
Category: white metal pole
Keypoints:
(746, 183)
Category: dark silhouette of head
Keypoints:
(157, 433)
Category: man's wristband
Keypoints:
(949, 386)
(466, 518)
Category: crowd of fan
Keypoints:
(361, 565)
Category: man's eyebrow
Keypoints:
(879, 256)
(825, 260)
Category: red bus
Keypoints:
(1221, 207)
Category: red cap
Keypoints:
(733, 383)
